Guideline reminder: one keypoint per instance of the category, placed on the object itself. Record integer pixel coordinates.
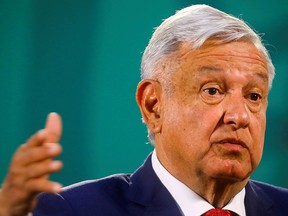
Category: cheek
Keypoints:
(191, 127)
(258, 135)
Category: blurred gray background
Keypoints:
(81, 58)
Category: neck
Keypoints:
(219, 192)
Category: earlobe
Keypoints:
(148, 98)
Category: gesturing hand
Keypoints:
(30, 168)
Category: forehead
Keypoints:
(234, 56)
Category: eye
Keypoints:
(254, 96)
(256, 101)
(211, 91)
(212, 95)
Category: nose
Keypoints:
(236, 113)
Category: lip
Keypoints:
(232, 142)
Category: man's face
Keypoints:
(214, 120)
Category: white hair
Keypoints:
(195, 25)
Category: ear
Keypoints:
(148, 97)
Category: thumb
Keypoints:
(53, 127)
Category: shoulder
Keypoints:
(91, 195)
(114, 182)
(268, 188)
(263, 191)
(111, 186)
(120, 194)
(265, 199)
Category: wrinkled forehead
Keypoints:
(212, 46)
(211, 53)
(237, 55)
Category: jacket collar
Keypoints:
(147, 190)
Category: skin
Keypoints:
(30, 168)
(209, 130)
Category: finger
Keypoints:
(51, 133)
(27, 155)
(19, 180)
(42, 169)
(18, 176)
(53, 127)
(43, 185)
(36, 139)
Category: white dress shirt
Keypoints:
(190, 203)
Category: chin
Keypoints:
(231, 178)
(231, 173)
(230, 169)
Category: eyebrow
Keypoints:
(213, 69)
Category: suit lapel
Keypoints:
(256, 201)
(147, 191)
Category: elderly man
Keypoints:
(203, 96)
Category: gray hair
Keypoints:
(195, 25)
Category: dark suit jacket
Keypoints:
(142, 194)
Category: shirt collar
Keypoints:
(190, 203)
